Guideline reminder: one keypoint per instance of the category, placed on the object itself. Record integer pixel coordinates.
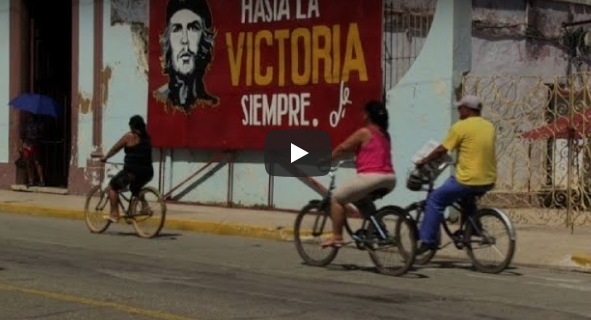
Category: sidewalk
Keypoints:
(537, 246)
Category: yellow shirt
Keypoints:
(474, 139)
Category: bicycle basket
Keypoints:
(416, 179)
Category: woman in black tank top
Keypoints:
(137, 168)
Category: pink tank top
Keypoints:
(375, 156)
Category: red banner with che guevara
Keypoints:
(225, 72)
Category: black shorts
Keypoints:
(135, 182)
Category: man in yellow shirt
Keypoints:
(476, 169)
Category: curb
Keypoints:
(245, 230)
(583, 260)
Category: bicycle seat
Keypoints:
(378, 194)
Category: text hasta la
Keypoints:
(254, 11)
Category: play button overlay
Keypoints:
(297, 152)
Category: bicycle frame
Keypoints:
(419, 207)
(367, 216)
(105, 184)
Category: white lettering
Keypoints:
(254, 112)
(273, 10)
(243, 102)
(305, 103)
(269, 110)
(299, 13)
(246, 11)
(283, 12)
(272, 110)
(313, 8)
(259, 10)
(337, 115)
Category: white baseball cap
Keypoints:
(472, 102)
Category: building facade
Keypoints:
(95, 59)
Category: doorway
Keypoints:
(49, 73)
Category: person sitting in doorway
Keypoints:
(31, 136)
(137, 168)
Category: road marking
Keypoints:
(94, 303)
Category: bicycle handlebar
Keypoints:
(99, 155)
(445, 164)
(339, 164)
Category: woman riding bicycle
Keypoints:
(371, 145)
(137, 168)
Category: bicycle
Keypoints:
(372, 235)
(139, 217)
(469, 225)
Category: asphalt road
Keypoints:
(55, 269)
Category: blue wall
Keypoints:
(85, 81)
(420, 105)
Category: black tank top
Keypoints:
(139, 156)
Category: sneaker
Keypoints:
(424, 247)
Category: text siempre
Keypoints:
(306, 56)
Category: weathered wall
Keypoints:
(508, 39)
(123, 84)
(85, 81)
(4, 78)
(422, 99)
(125, 54)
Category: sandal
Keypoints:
(332, 243)
(114, 220)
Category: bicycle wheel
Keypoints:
(396, 254)
(426, 257)
(96, 201)
(312, 226)
(481, 233)
(423, 259)
(148, 212)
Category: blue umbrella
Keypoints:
(36, 104)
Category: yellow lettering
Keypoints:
(281, 35)
(321, 52)
(249, 50)
(336, 52)
(235, 58)
(356, 63)
(259, 78)
(317, 55)
(297, 77)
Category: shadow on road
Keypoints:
(414, 272)
(509, 271)
(352, 267)
(161, 236)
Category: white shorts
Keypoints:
(363, 184)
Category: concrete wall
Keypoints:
(510, 40)
(85, 81)
(4, 78)
(421, 104)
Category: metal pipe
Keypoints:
(575, 23)
(230, 194)
(215, 158)
(160, 189)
